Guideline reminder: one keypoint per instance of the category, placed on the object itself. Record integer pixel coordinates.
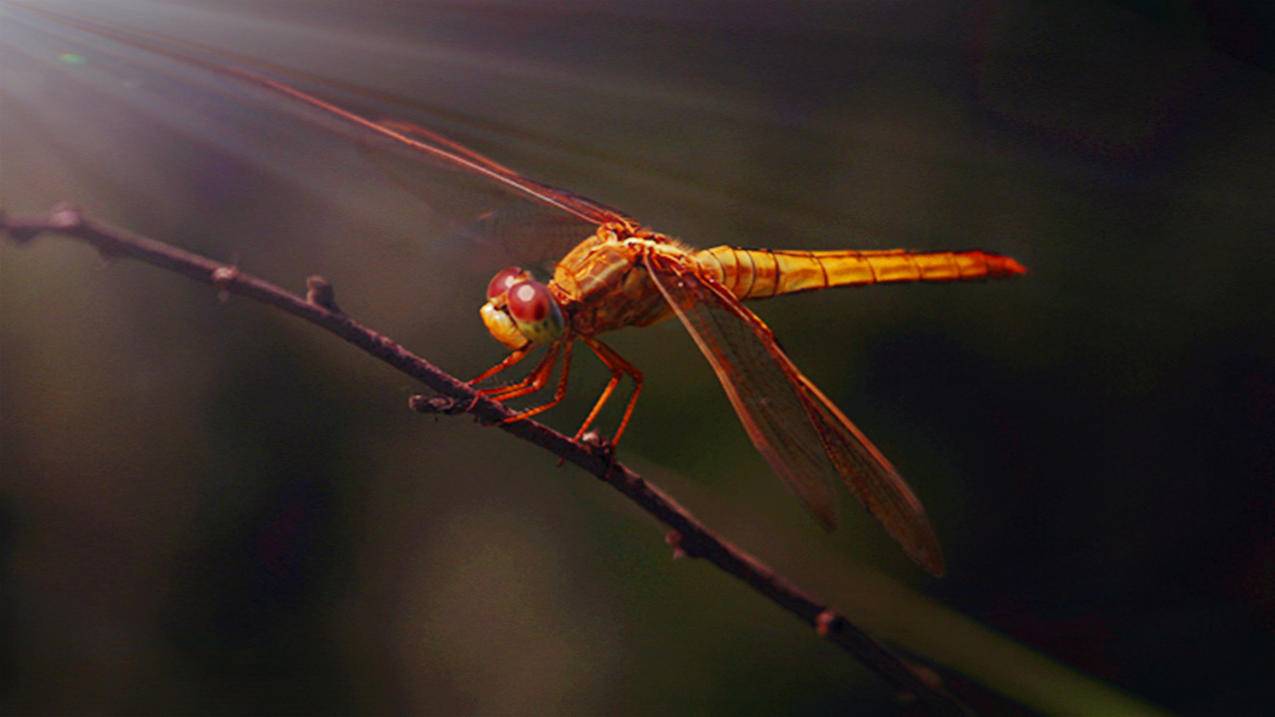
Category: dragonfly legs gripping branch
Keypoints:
(539, 377)
(621, 274)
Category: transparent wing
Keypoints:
(806, 440)
(581, 207)
(489, 213)
(479, 197)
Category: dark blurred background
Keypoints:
(210, 508)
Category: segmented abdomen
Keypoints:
(763, 273)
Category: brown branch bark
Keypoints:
(688, 536)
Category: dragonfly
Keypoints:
(618, 273)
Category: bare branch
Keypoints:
(687, 536)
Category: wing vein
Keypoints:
(806, 439)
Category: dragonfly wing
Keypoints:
(806, 439)
(476, 210)
(470, 213)
(582, 207)
(480, 199)
(489, 188)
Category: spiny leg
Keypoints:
(530, 383)
(510, 360)
(558, 393)
(616, 375)
(619, 367)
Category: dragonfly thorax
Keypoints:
(521, 311)
(602, 284)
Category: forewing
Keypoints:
(481, 199)
(477, 196)
(806, 440)
(594, 212)
(526, 221)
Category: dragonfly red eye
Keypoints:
(530, 302)
(504, 279)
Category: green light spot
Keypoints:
(70, 58)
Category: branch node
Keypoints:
(222, 278)
(825, 622)
(674, 539)
(600, 447)
(319, 291)
(65, 217)
(436, 405)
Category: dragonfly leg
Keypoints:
(616, 375)
(530, 383)
(558, 393)
(619, 367)
(508, 361)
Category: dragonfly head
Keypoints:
(521, 311)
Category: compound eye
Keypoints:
(530, 302)
(504, 279)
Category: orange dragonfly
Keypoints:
(620, 274)
(623, 274)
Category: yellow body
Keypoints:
(763, 273)
(602, 286)
(623, 275)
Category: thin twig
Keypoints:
(688, 536)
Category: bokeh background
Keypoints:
(210, 508)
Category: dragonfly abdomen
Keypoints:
(763, 273)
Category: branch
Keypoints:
(688, 536)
